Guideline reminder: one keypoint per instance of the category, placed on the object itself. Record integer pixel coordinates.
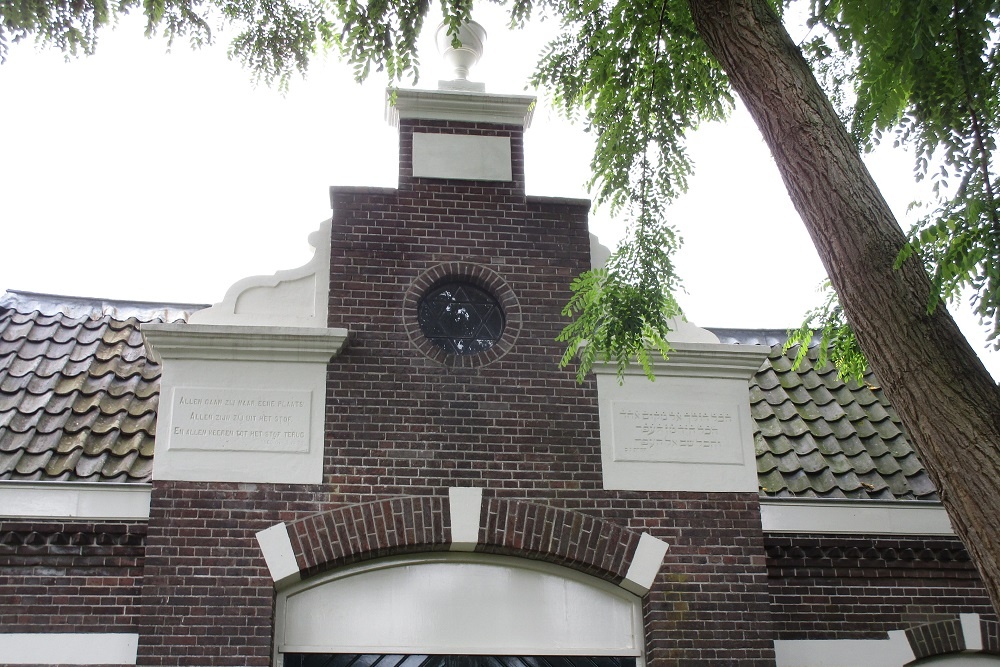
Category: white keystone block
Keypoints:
(278, 554)
(645, 564)
(466, 505)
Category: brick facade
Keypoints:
(404, 423)
(838, 587)
(403, 427)
(70, 577)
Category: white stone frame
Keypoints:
(504, 599)
(698, 376)
(236, 362)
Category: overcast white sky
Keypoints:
(137, 174)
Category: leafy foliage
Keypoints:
(275, 38)
(928, 70)
(641, 76)
(618, 319)
(643, 79)
(73, 25)
(837, 343)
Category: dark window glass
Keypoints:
(461, 318)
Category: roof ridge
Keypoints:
(95, 308)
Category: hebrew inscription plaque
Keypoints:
(676, 432)
(209, 419)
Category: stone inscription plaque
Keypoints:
(234, 420)
(676, 432)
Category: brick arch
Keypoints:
(414, 524)
(564, 537)
(948, 636)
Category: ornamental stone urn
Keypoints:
(471, 36)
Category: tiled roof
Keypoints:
(78, 402)
(817, 436)
(78, 398)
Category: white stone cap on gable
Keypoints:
(468, 106)
(682, 331)
(296, 297)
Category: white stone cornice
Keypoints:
(242, 343)
(465, 106)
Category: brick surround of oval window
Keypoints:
(481, 277)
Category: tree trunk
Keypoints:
(941, 390)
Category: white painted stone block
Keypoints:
(69, 500)
(892, 652)
(278, 554)
(836, 515)
(645, 565)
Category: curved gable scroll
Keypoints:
(461, 522)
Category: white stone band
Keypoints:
(52, 648)
(855, 517)
(68, 500)
(891, 652)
